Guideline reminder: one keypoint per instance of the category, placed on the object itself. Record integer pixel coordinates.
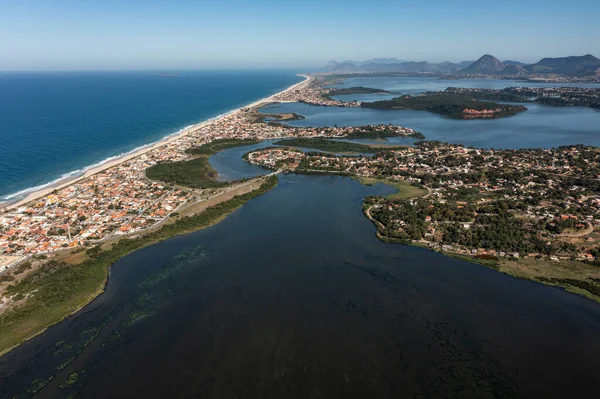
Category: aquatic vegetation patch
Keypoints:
(61, 289)
(160, 275)
(189, 256)
(37, 385)
(137, 316)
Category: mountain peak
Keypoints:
(572, 66)
(487, 64)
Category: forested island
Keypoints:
(452, 105)
(354, 90)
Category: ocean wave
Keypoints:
(19, 195)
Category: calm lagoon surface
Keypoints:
(539, 126)
(293, 296)
(413, 85)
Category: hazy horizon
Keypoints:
(180, 35)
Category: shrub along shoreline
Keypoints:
(58, 290)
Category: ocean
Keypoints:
(56, 124)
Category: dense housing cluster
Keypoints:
(121, 200)
(536, 203)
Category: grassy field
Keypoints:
(577, 277)
(219, 145)
(197, 172)
(405, 190)
(335, 146)
(57, 289)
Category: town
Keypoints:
(541, 203)
(122, 201)
(555, 96)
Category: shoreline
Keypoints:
(199, 221)
(74, 177)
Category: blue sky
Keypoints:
(184, 34)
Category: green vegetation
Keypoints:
(37, 385)
(452, 105)
(574, 276)
(487, 94)
(219, 145)
(197, 172)
(328, 145)
(354, 90)
(380, 135)
(22, 268)
(592, 288)
(274, 119)
(6, 277)
(371, 132)
(552, 96)
(73, 378)
(59, 289)
(405, 190)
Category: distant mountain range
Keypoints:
(586, 65)
(394, 65)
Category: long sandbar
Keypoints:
(42, 192)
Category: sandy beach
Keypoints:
(34, 195)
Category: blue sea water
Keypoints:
(55, 123)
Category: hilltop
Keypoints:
(487, 64)
(586, 65)
(573, 66)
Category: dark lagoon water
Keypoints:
(292, 296)
(231, 166)
(54, 124)
(539, 126)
